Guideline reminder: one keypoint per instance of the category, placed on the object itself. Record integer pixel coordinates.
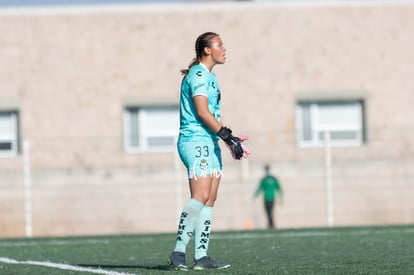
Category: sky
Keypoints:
(9, 3)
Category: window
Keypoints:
(8, 133)
(149, 129)
(343, 120)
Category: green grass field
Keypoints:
(356, 250)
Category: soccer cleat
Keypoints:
(207, 263)
(177, 261)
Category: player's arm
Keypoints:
(258, 190)
(201, 105)
(279, 189)
(238, 151)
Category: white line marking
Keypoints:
(304, 234)
(51, 242)
(237, 235)
(63, 266)
(57, 242)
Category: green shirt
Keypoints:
(270, 186)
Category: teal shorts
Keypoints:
(201, 157)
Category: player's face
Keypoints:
(218, 51)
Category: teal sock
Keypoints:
(202, 232)
(188, 218)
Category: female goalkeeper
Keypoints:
(198, 147)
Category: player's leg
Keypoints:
(202, 234)
(202, 228)
(206, 188)
(203, 225)
(200, 188)
(188, 217)
(269, 213)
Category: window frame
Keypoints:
(316, 128)
(144, 134)
(13, 137)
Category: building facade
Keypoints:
(88, 114)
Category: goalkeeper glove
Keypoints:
(246, 151)
(234, 143)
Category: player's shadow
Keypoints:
(155, 267)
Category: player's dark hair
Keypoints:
(203, 40)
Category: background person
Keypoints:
(270, 187)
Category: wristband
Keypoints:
(224, 133)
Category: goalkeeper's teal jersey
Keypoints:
(199, 81)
